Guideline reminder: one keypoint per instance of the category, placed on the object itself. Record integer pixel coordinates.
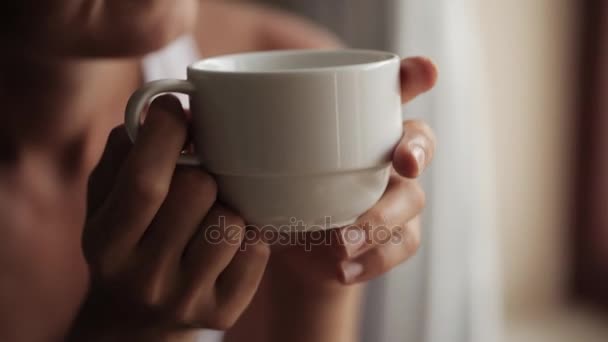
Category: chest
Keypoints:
(43, 274)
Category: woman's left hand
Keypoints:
(389, 233)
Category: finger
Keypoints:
(207, 255)
(144, 179)
(104, 175)
(190, 197)
(239, 282)
(382, 258)
(418, 75)
(213, 247)
(416, 149)
(402, 201)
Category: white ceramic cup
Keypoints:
(299, 139)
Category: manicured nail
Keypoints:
(420, 155)
(354, 240)
(351, 271)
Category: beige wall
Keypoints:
(530, 49)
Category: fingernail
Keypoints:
(420, 156)
(353, 239)
(351, 271)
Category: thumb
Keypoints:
(418, 75)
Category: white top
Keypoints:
(172, 62)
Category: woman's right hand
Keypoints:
(154, 272)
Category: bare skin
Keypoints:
(58, 112)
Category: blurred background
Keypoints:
(516, 233)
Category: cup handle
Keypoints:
(142, 98)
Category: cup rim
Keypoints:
(383, 58)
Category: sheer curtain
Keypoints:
(451, 290)
(462, 279)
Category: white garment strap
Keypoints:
(171, 62)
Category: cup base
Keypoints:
(304, 203)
